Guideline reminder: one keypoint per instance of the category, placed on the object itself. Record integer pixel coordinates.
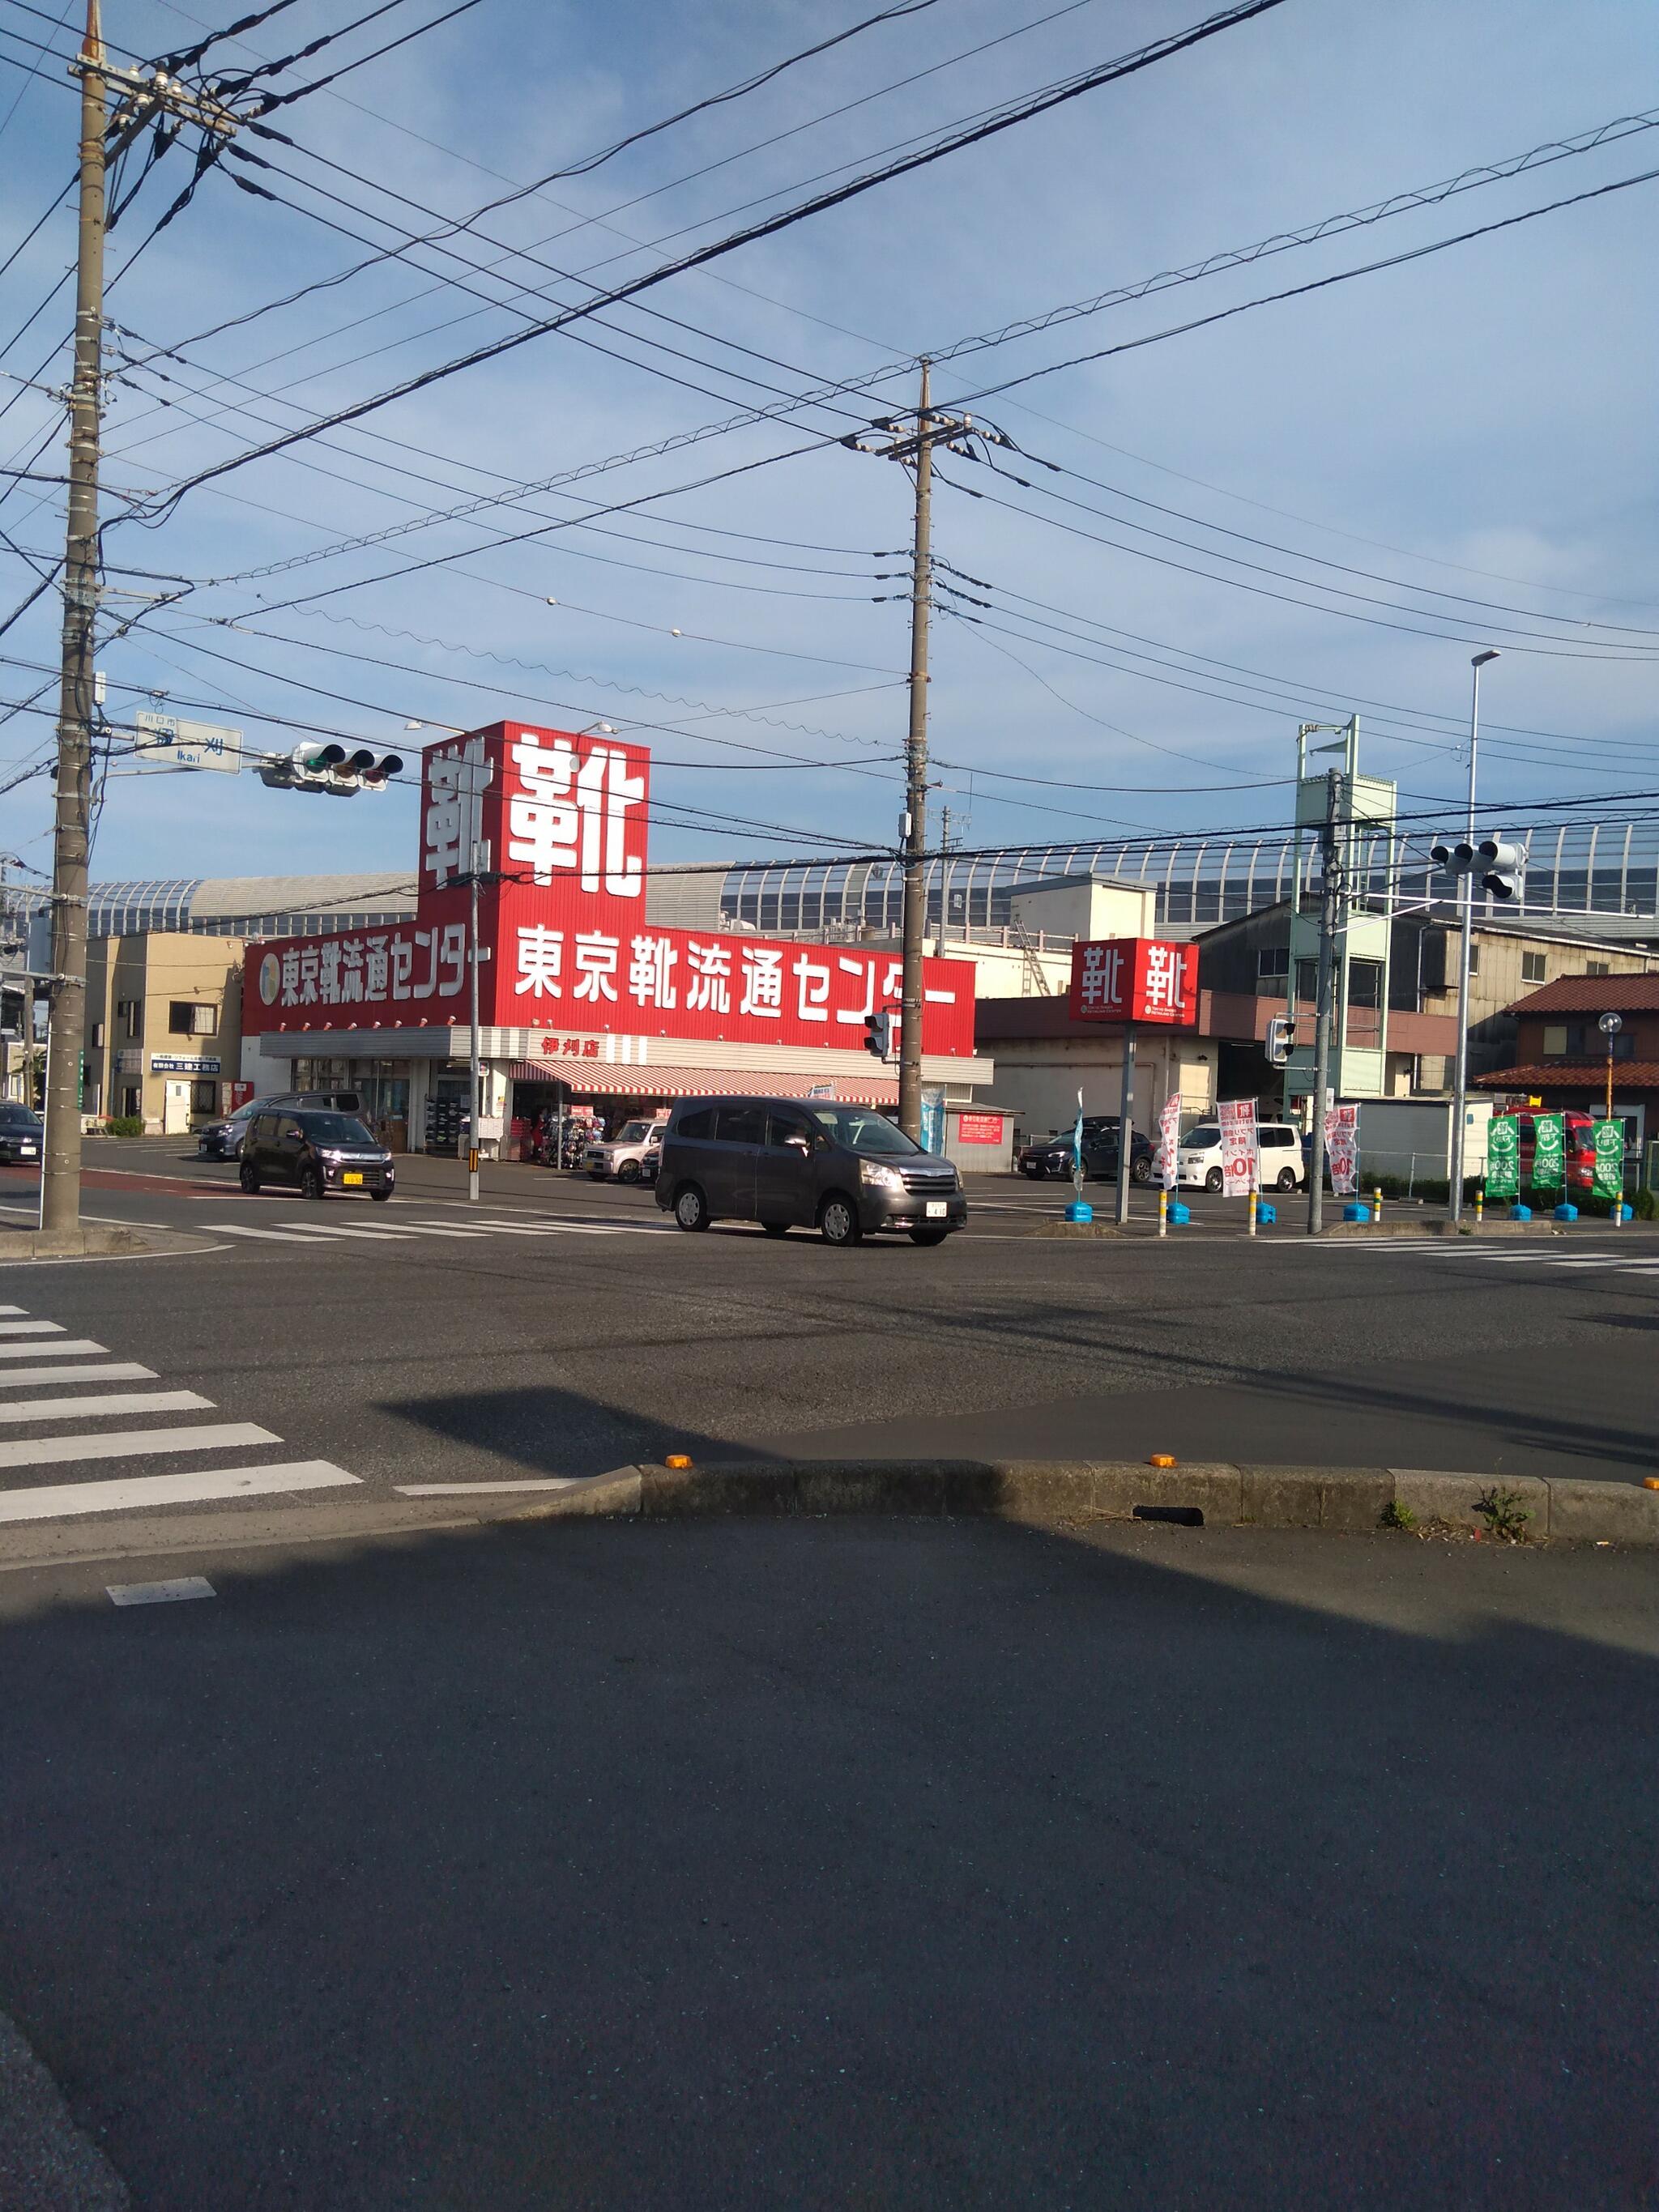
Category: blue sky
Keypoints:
(1476, 422)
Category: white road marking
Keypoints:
(317, 1228)
(13, 1310)
(31, 1328)
(197, 1488)
(90, 1405)
(465, 1489)
(273, 1235)
(114, 1371)
(76, 1345)
(160, 1593)
(135, 1443)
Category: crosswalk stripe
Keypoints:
(135, 1443)
(319, 1229)
(114, 1371)
(88, 1404)
(199, 1488)
(242, 1229)
(13, 1310)
(70, 1344)
(31, 1328)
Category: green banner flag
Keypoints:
(1609, 1158)
(1503, 1159)
(1549, 1153)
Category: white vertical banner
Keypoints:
(1169, 1139)
(1238, 1147)
(1341, 1132)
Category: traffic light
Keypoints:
(878, 1035)
(1280, 1037)
(1443, 853)
(330, 768)
(1497, 865)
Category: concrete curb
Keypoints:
(1347, 1500)
(98, 1242)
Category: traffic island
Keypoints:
(96, 1241)
(1348, 1501)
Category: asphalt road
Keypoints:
(829, 1864)
(396, 1351)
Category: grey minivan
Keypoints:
(804, 1163)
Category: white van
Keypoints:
(1279, 1150)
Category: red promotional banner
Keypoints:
(559, 823)
(1135, 978)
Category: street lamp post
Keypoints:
(1461, 1078)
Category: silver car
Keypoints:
(631, 1156)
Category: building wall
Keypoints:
(1038, 1078)
(1505, 969)
(133, 984)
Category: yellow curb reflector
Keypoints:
(1162, 1459)
(677, 1459)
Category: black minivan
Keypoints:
(807, 1164)
(314, 1152)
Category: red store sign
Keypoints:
(1135, 979)
(560, 819)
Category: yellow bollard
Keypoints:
(1376, 1206)
(1164, 1213)
(1479, 1203)
(1253, 1207)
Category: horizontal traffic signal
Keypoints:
(330, 768)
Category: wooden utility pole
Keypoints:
(60, 1197)
(1330, 895)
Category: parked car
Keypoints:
(222, 1139)
(804, 1163)
(631, 1156)
(1051, 1156)
(314, 1152)
(1282, 1162)
(21, 1131)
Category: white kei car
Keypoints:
(1279, 1148)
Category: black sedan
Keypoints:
(21, 1132)
(1051, 1156)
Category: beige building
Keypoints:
(164, 1028)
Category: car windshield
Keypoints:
(634, 1133)
(334, 1129)
(1206, 1134)
(861, 1128)
(19, 1117)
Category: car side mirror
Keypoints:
(798, 1144)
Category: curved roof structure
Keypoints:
(1575, 868)
(248, 906)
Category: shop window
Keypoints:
(1534, 967)
(190, 1018)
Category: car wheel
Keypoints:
(776, 1228)
(1287, 1178)
(249, 1179)
(928, 1236)
(838, 1220)
(1212, 1181)
(1140, 1170)
(379, 1197)
(311, 1184)
(629, 1171)
(690, 1207)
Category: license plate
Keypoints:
(349, 1177)
(25, 1152)
(936, 1209)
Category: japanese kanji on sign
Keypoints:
(1135, 979)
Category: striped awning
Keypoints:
(610, 1078)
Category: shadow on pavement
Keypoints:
(826, 1863)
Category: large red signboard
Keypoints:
(1135, 979)
(561, 821)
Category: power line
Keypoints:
(1015, 113)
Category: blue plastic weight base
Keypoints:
(1079, 1210)
(1567, 1213)
(1622, 1212)
(1520, 1213)
(1266, 1215)
(1356, 1212)
(1178, 1215)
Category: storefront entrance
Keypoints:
(382, 1089)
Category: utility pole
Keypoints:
(914, 446)
(142, 99)
(1330, 897)
(60, 1167)
(1466, 941)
